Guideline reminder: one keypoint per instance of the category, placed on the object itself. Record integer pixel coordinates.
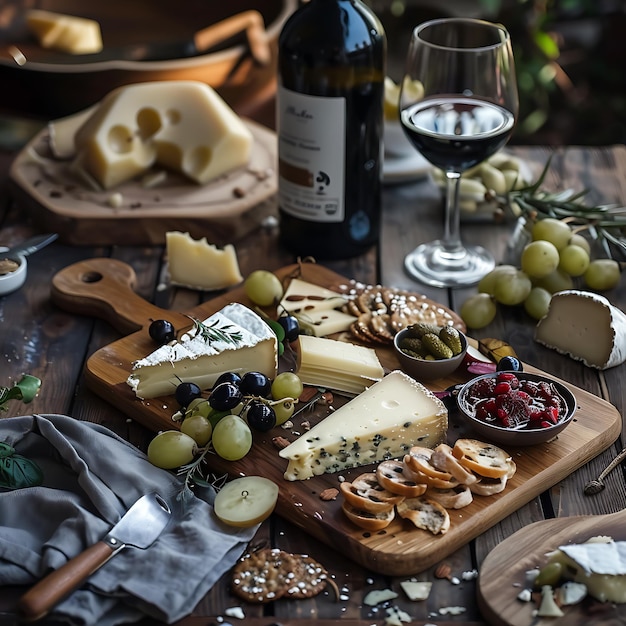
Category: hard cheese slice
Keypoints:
(322, 323)
(337, 364)
(200, 265)
(249, 344)
(586, 327)
(384, 422)
(183, 125)
(303, 297)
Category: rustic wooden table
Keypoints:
(39, 338)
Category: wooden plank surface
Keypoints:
(400, 548)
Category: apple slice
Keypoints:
(246, 501)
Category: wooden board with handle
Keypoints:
(103, 287)
(503, 572)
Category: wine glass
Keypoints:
(465, 113)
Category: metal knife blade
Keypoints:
(26, 248)
(139, 527)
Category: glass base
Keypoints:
(432, 265)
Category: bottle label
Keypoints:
(311, 156)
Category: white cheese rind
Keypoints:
(383, 422)
(199, 264)
(192, 359)
(586, 327)
(182, 125)
(337, 364)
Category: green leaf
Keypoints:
(29, 386)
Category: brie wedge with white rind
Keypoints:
(194, 359)
(181, 125)
(383, 422)
(337, 365)
(200, 265)
(586, 327)
(601, 566)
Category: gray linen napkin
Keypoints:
(92, 477)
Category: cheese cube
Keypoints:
(248, 344)
(75, 35)
(200, 265)
(384, 422)
(338, 365)
(181, 125)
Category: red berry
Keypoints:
(502, 388)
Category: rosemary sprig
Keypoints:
(212, 332)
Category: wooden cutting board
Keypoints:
(103, 287)
(502, 574)
(223, 210)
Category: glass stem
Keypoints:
(452, 226)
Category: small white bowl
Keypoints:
(13, 280)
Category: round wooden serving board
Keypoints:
(103, 287)
(503, 572)
(223, 210)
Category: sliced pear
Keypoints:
(246, 501)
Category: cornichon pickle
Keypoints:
(549, 574)
(421, 328)
(452, 338)
(413, 345)
(436, 347)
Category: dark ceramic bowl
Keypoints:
(425, 369)
(526, 436)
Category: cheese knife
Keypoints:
(139, 528)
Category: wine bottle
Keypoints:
(331, 70)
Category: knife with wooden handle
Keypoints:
(138, 528)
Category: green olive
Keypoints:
(549, 574)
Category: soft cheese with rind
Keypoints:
(200, 265)
(383, 422)
(193, 359)
(586, 327)
(182, 125)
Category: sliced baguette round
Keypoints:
(366, 519)
(391, 476)
(419, 460)
(367, 494)
(485, 459)
(425, 513)
(420, 477)
(443, 459)
(455, 498)
(485, 486)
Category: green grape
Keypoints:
(171, 449)
(284, 410)
(488, 281)
(574, 260)
(198, 428)
(512, 289)
(263, 288)
(556, 281)
(286, 385)
(555, 231)
(581, 242)
(478, 310)
(232, 438)
(539, 258)
(537, 302)
(198, 406)
(602, 274)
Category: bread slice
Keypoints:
(392, 476)
(419, 459)
(443, 459)
(366, 519)
(367, 494)
(488, 486)
(425, 513)
(455, 498)
(485, 459)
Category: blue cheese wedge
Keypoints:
(248, 344)
(383, 422)
(586, 327)
(337, 365)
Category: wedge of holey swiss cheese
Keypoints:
(586, 327)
